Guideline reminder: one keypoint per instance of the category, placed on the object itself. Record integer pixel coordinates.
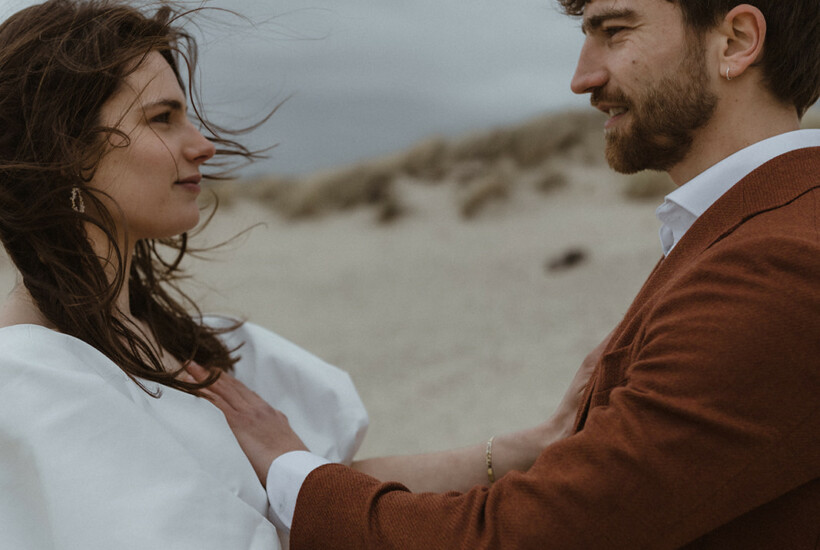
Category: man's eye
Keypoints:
(612, 31)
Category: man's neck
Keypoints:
(734, 126)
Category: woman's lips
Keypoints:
(190, 183)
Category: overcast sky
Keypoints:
(366, 77)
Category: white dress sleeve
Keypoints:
(85, 467)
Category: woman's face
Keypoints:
(154, 176)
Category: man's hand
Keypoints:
(571, 401)
(262, 431)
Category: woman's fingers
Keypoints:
(228, 393)
(227, 409)
(226, 386)
(262, 431)
(248, 395)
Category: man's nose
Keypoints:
(590, 72)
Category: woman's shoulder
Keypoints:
(249, 338)
(258, 345)
(40, 353)
(33, 340)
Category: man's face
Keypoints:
(648, 72)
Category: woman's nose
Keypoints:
(199, 149)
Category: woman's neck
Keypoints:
(102, 248)
(20, 309)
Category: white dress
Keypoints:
(89, 461)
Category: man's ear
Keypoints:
(743, 33)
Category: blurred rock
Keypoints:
(568, 259)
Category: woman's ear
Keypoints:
(743, 32)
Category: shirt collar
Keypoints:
(683, 206)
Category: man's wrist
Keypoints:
(285, 477)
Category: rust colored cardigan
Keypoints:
(701, 428)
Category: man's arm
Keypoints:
(716, 416)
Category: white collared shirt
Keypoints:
(678, 212)
(688, 202)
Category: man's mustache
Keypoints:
(613, 97)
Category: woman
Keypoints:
(105, 441)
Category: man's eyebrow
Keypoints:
(594, 22)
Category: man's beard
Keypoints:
(663, 119)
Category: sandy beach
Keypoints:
(452, 327)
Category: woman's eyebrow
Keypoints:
(173, 104)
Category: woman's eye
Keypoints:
(163, 118)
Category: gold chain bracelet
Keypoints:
(490, 473)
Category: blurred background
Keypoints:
(367, 77)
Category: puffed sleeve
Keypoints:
(320, 400)
(84, 467)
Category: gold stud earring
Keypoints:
(77, 203)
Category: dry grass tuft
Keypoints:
(467, 171)
(427, 160)
(476, 195)
(268, 190)
(550, 175)
(390, 210)
(358, 185)
(529, 144)
(484, 147)
(560, 135)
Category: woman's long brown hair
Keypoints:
(59, 63)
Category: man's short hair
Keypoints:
(791, 53)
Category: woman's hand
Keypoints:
(262, 431)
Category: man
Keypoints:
(701, 424)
